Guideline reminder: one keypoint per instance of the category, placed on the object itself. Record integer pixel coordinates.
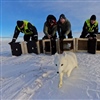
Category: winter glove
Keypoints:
(62, 37)
(49, 36)
(13, 41)
(36, 38)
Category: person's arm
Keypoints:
(34, 30)
(96, 29)
(59, 29)
(68, 27)
(15, 36)
(54, 30)
(45, 29)
(85, 28)
(84, 33)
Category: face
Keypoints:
(60, 63)
(92, 21)
(62, 20)
(51, 24)
(22, 26)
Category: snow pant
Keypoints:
(53, 37)
(29, 37)
(63, 35)
(87, 35)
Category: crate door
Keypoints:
(32, 47)
(67, 45)
(16, 49)
(82, 45)
(47, 47)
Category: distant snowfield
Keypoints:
(31, 77)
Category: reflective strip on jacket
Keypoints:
(25, 30)
(91, 28)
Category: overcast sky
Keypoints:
(36, 11)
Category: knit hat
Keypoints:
(19, 23)
(62, 16)
(93, 17)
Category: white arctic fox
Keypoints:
(65, 62)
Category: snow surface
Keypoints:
(31, 77)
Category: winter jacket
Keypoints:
(89, 28)
(64, 28)
(49, 30)
(27, 30)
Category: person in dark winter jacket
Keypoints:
(50, 27)
(64, 27)
(30, 31)
(90, 28)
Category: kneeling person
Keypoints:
(30, 31)
(90, 28)
(64, 27)
(50, 27)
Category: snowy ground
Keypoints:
(31, 77)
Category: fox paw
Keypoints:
(60, 85)
(68, 75)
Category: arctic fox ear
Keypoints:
(56, 55)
